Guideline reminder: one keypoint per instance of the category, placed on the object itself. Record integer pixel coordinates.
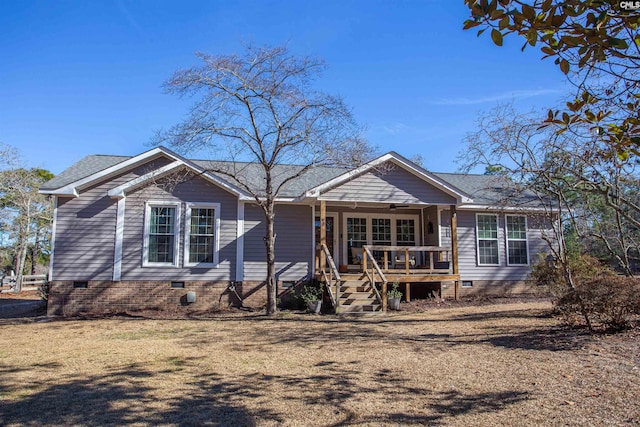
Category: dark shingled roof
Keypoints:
(82, 169)
(252, 173)
(491, 190)
(487, 190)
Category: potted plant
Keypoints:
(393, 296)
(312, 295)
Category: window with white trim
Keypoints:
(405, 232)
(381, 231)
(487, 239)
(161, 234)
(201, 234)
(517, 245)
(356, 236)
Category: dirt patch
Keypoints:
(31, 294)
(491, 364)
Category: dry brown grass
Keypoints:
(505, 364)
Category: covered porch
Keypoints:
(416, 246)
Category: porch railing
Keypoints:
(332, 278)
(369, 259)
(413, 259)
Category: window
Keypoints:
(381, 231)
(517, 252)
(161, 234)
(487, 235)
(377, 229)
(356, 236)
(202, 223)
(405, 232)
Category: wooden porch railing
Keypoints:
(333, 278)
(375, 268)
(437, 260)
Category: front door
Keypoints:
(332, 220)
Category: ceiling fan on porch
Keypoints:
(393, 206)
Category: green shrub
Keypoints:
(297, 297)
(394, 292)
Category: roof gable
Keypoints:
(110, 167)
(352, 179)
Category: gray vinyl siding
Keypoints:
(445, 228)
(189, 191)
(394, 186)
(467, 250)
(85, 230)
(293, 228)
(430, 215)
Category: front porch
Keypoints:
(371, 268)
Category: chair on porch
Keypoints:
(399, 261)
(356, 255)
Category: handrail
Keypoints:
(332, 264)
(382, 298)
(333, 274)
(328, 286)
(373, 285)
(375, 264)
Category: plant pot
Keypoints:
(314, 306)
(393, 303)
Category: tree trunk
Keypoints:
(270, 240)
(21, 257)
(35, 252)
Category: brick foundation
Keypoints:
(103, 297)
(494, 288)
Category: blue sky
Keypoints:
(84, 77)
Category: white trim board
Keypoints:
(117, 253)
(240, 242)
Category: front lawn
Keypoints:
(495, 364)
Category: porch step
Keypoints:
(361, 288)
(360, 309)
(358, 297)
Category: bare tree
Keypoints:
(261, 107)
(583, 185)
(593, 189)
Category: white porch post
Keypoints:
(323, 234)
(454, 248)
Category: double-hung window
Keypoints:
(517, 247)
(161, 234)
(201, 234)
(487, 239)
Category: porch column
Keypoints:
(454, 247)
(323, 233)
